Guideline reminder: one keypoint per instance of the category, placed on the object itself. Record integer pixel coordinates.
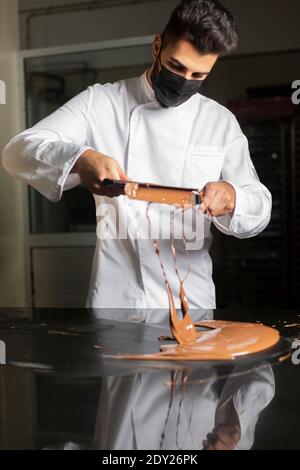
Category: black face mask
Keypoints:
(170, 89)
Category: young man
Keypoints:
(155, 128)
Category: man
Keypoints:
(155, 128)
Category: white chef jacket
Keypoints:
(189, 146)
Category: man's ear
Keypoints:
(156, 46)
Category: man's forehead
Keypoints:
(186, 55)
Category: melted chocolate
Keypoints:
(222, 341)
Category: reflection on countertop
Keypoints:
(61, 387)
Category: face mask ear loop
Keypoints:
(159, 58)
(155, 66)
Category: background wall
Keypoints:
(12, 203)
(267, 25)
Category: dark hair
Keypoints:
(207, 24)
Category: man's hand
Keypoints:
(224, 437)
(218, 199)
(93, 167)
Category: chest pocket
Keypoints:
(203, 165)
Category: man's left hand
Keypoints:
(218, 199)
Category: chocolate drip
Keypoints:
(183, 330)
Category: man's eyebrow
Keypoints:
(183, 66)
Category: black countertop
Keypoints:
(62, 385)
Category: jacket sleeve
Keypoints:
(253, 200)
(251, 392)
(44, 155)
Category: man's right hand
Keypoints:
(94, 167)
